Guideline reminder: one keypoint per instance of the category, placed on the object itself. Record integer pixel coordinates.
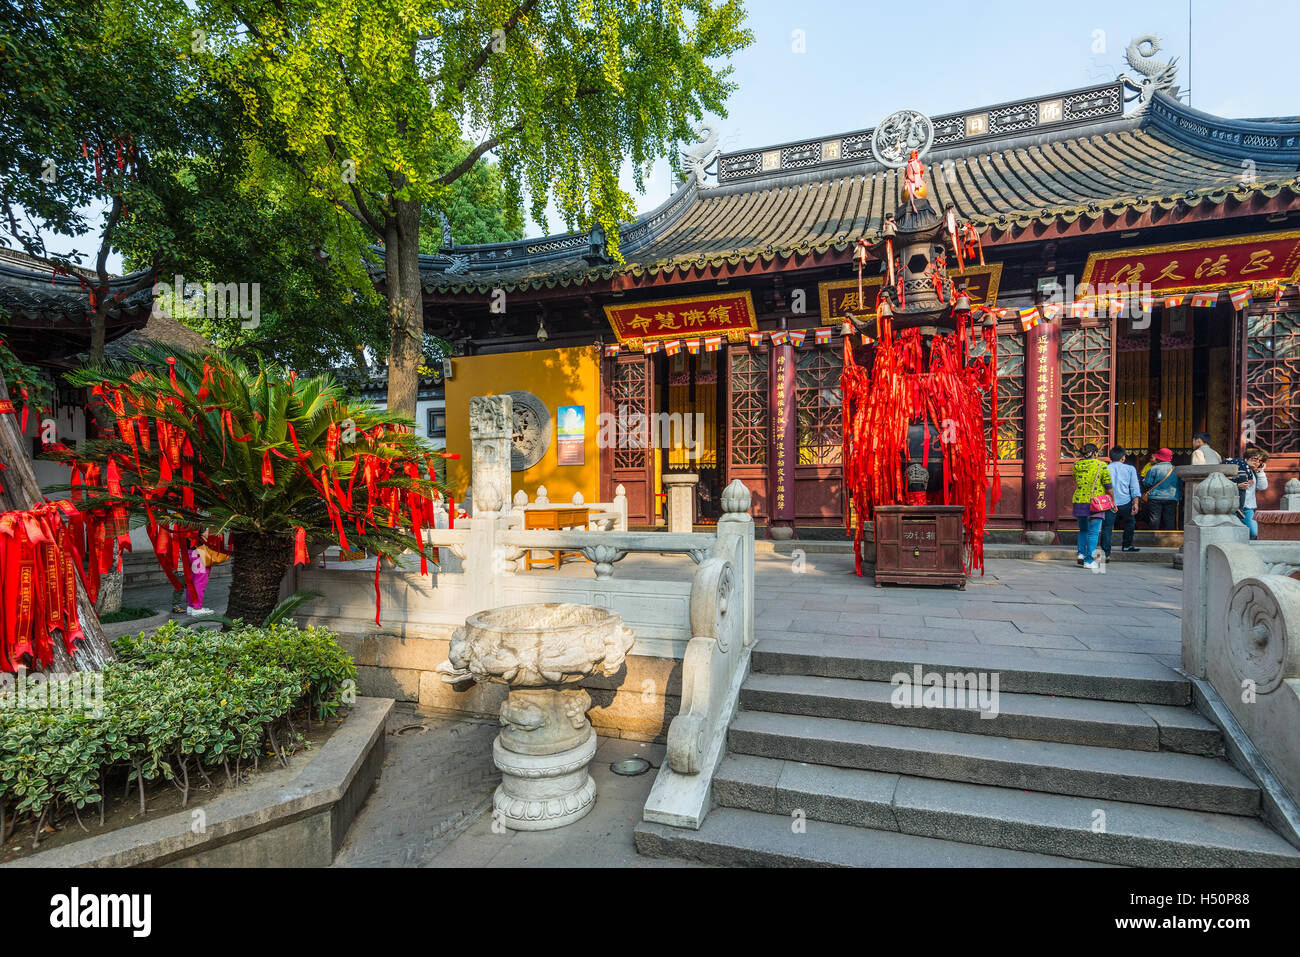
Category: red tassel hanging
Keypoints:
(268, 470)
(171, 373)
(300, 556)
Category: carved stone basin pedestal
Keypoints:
(546, 742)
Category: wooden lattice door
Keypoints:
(627, 398)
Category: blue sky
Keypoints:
(862, 61)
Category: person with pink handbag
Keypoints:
(1092, 500)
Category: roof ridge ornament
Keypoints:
(701, 159)
(899, 135)
(1156, 76)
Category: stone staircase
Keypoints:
(1086, 762)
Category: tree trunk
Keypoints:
(21, 492)
(405, 306)
(258, 564)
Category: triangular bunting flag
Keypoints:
(821, 336)
(797, 338)
(1240, 298)
(1028, 318)
(779, 338)
(1173, 302)
(650, 347)
(712, 343)
(693, 346)
(1202, 300)
(755, 338)
(611, 349)
(673, 347)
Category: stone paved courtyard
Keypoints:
(431, 807)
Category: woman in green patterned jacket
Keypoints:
(1091, 479)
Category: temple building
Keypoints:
(730, 280)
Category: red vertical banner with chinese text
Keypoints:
(783, 452)
(1042, 425)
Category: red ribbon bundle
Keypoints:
(41, 555)
(902, 389)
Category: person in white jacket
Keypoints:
(1255, 458)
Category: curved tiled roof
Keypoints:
(1127, 165)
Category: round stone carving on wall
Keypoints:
(532, 431)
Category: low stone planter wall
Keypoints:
(116, 629)
(299, 822)
(637, 703)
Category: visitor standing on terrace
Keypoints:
(1163, 489)
(1092, 500)
(1127, 489)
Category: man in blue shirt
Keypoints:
(1126, 489)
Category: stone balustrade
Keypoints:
(692, 637)
(603, 516)
(1241, 644)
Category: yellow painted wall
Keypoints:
(557, 377)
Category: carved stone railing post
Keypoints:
(620, 506)
(1291, 496)
(1211, 520)
(1253, 665)
(541, 498)
(681, 500)
(717, 656)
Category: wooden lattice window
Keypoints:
(631, 408)
(1273, 381)
(1011, 394)
(1085, 389)
(818, 401)
(748, 406)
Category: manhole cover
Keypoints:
(630, 767)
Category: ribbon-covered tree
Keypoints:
(267, 461)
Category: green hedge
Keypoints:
(176, 701)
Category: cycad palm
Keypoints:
(245, 415)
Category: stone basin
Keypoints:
(538, 645)
(546, 741)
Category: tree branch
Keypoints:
(461, 168)
(481, 60)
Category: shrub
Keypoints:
(176, 700)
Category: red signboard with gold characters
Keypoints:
(729, 314)
(1213, 264)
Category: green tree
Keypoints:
(371, 101)
(88, 93)
(477, 210)
(254, 222)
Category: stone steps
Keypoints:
(1113, 724)
(1087, 761)
(1106, 832)
(1162, 778)
(733, 837)
(1140, 683)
